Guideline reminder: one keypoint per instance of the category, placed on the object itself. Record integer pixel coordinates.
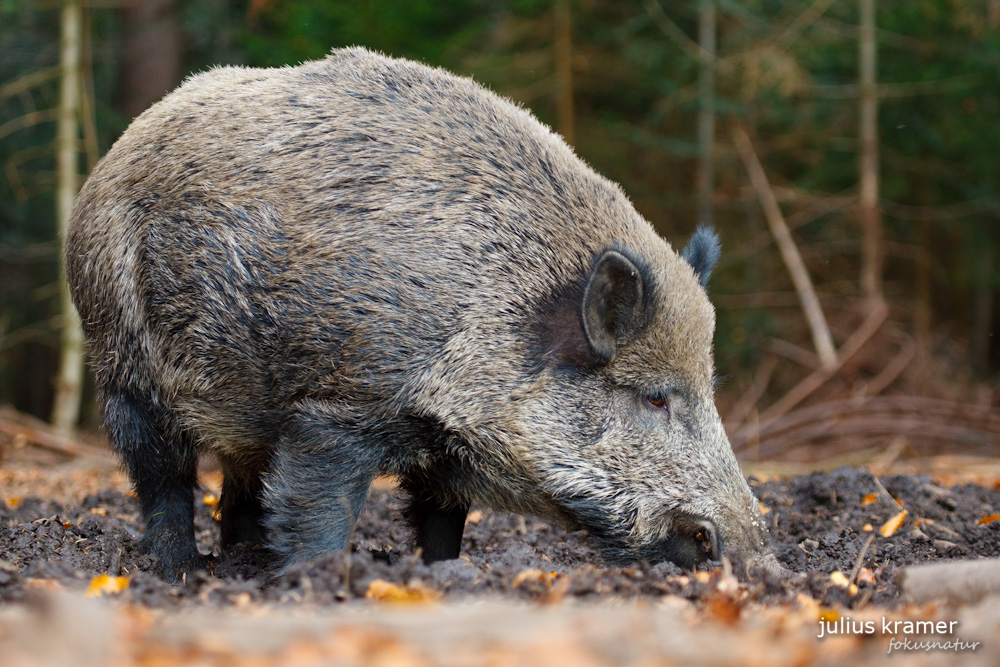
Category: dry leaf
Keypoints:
(989, 518)
(104, 584)
(867, 528)
(475, 516)
(558, 590)
(532, 575)
(866, 576)
(838, 578)
(764, 509)
(723, 608)
(869, 499)
(210, 499)
(829, 615)
(381, 590)
(14, 502)
(892, 525)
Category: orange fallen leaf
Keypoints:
(866, 576)
(892, 525)
(867, 528)
(723, 608)
(210, 499)
(99, 511)
(829, 615)
(14, 502)
(764, 509)
(104, 584)
(381, 590)
(989, 518)
(475, 516)
(531, 575)
(869, 499)
(558, 590)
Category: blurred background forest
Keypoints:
(845, 151)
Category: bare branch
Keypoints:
(27, 82)
(822, 339)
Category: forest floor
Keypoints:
(73, 590)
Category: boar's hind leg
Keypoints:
(241, 505)
(163, 468)
(318, 482)
(437, 527)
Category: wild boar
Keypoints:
(362, 266)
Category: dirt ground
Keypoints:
(524, 591)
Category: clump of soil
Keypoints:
(819, 524)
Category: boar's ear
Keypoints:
(702, 253)
(612, 307)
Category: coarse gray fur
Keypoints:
(362, 266)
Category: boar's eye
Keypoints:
(659, 402)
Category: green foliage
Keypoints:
(289, 32)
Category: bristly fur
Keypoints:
(364, 265)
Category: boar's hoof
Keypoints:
(173, 560)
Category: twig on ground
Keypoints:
(861, 559)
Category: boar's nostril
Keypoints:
(694, 540)
(707, 539)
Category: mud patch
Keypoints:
(819, 524)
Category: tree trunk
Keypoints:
(981, 330)
(564, 69)
(152, 52)
(922, 280)
(69, 383)
(706, 110)
(868, 214)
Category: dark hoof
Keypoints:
(169, 562)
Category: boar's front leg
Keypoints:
(318, 483)
(162, 464)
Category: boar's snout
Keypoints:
(693, 541)
(698, 540)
